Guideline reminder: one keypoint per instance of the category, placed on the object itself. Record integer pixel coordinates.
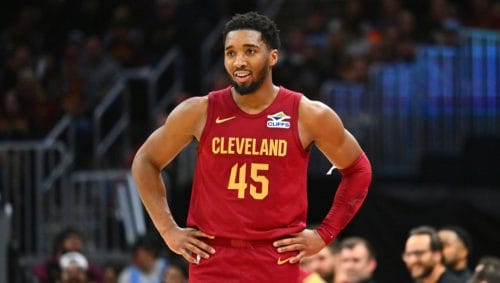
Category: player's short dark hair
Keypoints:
(435, 242)
(257, 22)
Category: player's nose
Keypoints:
(240, 61)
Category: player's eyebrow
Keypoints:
(245, 45)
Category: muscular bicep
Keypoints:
(322, 126)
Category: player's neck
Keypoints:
(254, 103)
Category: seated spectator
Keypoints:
(423, 257)
(323, 263)
(110, 272)
(74, 267)
(176, 272)
(356, 261)
(69, 240)
(487, 270)
(14, 122)
(147, 266)
(307, 276)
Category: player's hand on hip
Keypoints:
(307, 242)
(188, 243)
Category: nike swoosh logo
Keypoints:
(283, 261)
(220, 121)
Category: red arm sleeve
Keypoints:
(350, 194)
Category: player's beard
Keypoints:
(253, 85)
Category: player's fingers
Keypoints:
(285, 242)
(195, 249)
(298, 257)
(188, 256)
(289, 248)
(200, 234)
(202, 245)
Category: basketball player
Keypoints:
(247, 215)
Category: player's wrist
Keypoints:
(326, 235)
(166, 228)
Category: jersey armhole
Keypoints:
(296, 137)
(208, 124)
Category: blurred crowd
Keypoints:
(62, 56)
(341, 42)
(68, 262)
(430, 255)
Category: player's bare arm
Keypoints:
(320, 125)
(184, 124)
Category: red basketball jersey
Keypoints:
(251, 173)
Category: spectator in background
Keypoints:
(25, 29)
(457, 246)
(23, 92)
(407, 43)
(423, 257)
(486, 271)
(74, 267)
(482, 14)
(176, 272)
(14, 123)
(41, 111)
(306, 276)
(72, 80)
(69, 240)
(356, 261)
(350, 39)
(99, 71)
(443, 23)
(124, 40)
(161, 34)
(147, 266)
(323, 262)
(88, 75)
(110, 273)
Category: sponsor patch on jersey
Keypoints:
(278, 120)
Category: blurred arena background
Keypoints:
(82, 84)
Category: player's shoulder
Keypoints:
(313, 108)
(196, 106)
(195, 101)
(193, 105)
(189, 116)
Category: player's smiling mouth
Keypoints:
(242, 76)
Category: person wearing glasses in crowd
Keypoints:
(423, 257)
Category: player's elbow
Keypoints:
(140, 163)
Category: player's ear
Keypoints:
(273, 57)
